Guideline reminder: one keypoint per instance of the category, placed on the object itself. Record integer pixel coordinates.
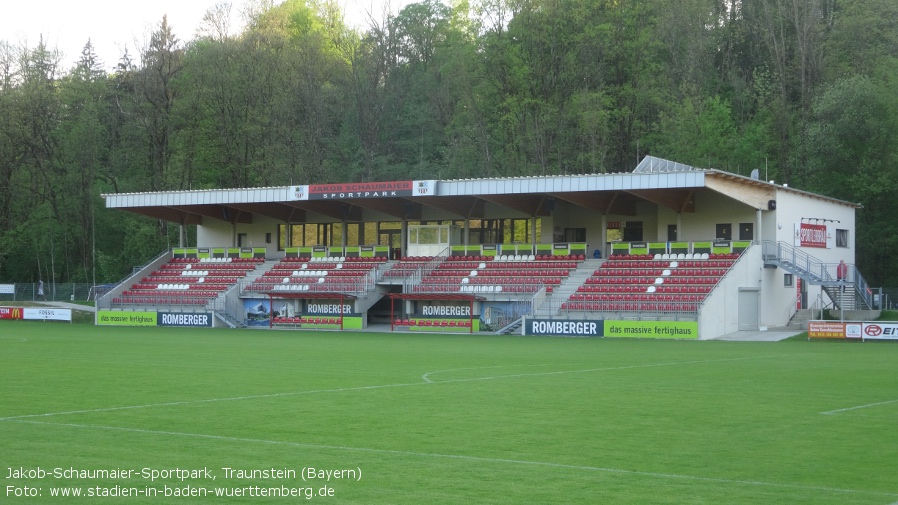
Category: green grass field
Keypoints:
(444, 419)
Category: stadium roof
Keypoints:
(665, 183)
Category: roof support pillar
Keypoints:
(533, 232)
(679, 224)
(759, 230)
(403, 237)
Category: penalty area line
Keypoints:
(858, 407)
(425, 380)
(426, 377)
(208, 400)
(463, 457)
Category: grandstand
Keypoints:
(186, 282)
(667, 248)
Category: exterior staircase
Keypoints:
(844, 299)
(853, 294)
(801, 318)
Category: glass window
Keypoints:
(841, 238)
(724, 231)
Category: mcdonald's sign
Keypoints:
(10, 313)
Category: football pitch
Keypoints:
(162, 415)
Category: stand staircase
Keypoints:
(574, 280)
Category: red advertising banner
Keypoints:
(812, 235)
(11, 313)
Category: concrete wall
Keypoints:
(720, 312)
(711, 209)
(215, 233)
(792, 210)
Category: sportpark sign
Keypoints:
(878, 330)
(354, 190)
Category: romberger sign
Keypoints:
(564, 327)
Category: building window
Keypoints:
(787, 280)
(746, 231)
(633, 231)
(841, 238)
(671, 232)
(724, 231)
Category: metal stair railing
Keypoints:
(415, 278)
(796, 261)
(814, 271)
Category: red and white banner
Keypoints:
(353, 190)
(812, 235)
(10, 313)
(45, 314)
(880, 331)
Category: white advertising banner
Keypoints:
(880, 331)
(47, 314)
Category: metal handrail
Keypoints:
(788, 254)
(105, 301)
(817, 272)
(415, 278)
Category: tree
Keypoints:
(161, 62)
(853, 157)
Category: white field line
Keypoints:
(425, 381)
(463, 457)
(586, 370)
(208, 400)
(831, 412)
(426, 377)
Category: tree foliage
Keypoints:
(471, 88)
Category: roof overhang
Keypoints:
(665, 184)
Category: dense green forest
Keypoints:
(804, 89)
